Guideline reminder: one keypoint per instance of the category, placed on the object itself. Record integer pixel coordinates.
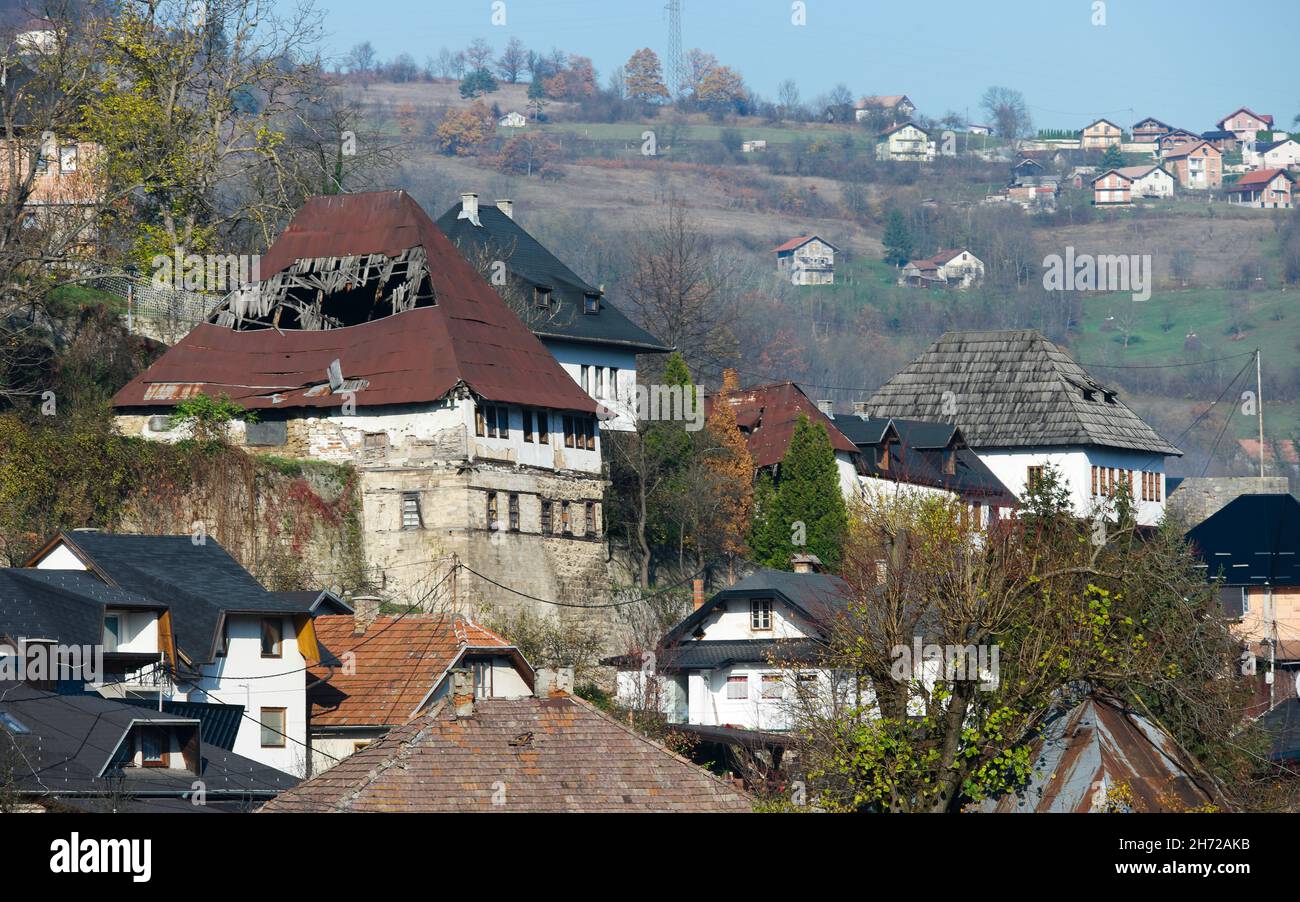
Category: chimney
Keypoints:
(697, 592)
(543, 682)
(365, 610)
(827, 407)
(860, 409)
(462, 691)
(552, 682)
(506, 206)
(469, 207)
(806, 563)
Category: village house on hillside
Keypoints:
(947, 268)
(1225, 141)
(181, 622)
(1198, 165)
(1022, 404)
(806, 260)
(1101, 134)
(1119, 187)
(1149, 130)
(1268, 189)
(549, 752)
(513, 119)
(1245, 123)
(591, 338)
(378, 671)
(1283, 153)
(372, 341)
(905, 142)
(892, 108)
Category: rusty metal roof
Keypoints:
(1088, 751)
(470, 335)
(767, 414)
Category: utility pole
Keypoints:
(1259, 409)
(676, 73)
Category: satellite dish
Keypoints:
(335, 375)
(1297, 684)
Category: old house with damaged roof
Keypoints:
(1024, 405)
(591, 338)
(372, 341)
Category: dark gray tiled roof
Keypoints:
(69, 741)
(527, 260)
(817, 595)
(1014, 389)
(197, 582)
(724, 652)
(67, 605)
(1254, 540)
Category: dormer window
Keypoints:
(882, 460)
(760, 614)
(112, 632)
(542, 297)
(153, 747)
(591, 303)
(950, 462)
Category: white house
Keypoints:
(948, 268)
(1283, 153)
(513, 119)
(1149, 181)
(1024, 405)
(905, 142)
(806, 260)
(591, 338)
(214, 635)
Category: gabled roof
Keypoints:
(708, 654)
(71, 741)
(884, 101)
(500, 237)
(396, 664)
(1259, 178)
(1151, 120)
(1096, 746)
(1218, 135)
(1140, 172)
(1273, 145)
(816, 596)
(468, 336)
(1014, 389)
(767, 414)
(557, 754)
(1100, 122)
(200, 583)
(1254, 540)
(1268, 120)
(1187, 148)
(796, 243)
(1127, 178)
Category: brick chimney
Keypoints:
(506, 206)
(806, 563)
(860, 409)
(462, 691)
(365, 611)
(697, 593)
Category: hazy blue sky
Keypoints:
(1188, 62)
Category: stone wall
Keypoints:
(1199, 497)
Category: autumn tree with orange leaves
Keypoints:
(733, 469)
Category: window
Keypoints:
(1157, 481)
(738, 687)
(1245, 600)
(613, 382)
(479, 425)
(514, 513)
(590, 527)
(566, 525)
(1094, 481)
(411, 516)
(482, 679)
(272, 720)
(153, 747)
(272, 637)
(950, 462)
(492, 420)
(882, 460)
(773, 686)
(503, 421)
(589, 432)
(760, 614)
(112, 632)
(586, 378)
(542, 297)
(548, 517)
(1032, 476)
(600, 382)
(591, 304)
(13, 724)
(272, 433)
(528, 425)
(492, 510)
(543, 427)
(568, 431)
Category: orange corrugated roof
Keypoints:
(393, 665)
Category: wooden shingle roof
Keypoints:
(1013, 389)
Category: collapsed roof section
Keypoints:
(369, 281)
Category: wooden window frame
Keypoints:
(528, 425)
(568, 431)
(419, 513)
(566, 519)
(503, 421)
(543, 428)
(589, 510)
(548, 517)
(280, 736)
(493, 512)
(279, 640)
(738, 680)
(512, 511)
(760, 610)
(164, 755)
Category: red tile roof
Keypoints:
(1253, 181)
(767, 415)
(395, 663)
(1268, 120)
(470, 335)
(799, 242)
(556, 754)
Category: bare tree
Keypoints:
(1009, 112)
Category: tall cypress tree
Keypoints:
(808, 504)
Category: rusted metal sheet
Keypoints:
(1101, 755)
(469, 336)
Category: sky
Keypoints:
(1187, 62)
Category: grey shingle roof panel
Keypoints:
(67, 605)
(1014, 389)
